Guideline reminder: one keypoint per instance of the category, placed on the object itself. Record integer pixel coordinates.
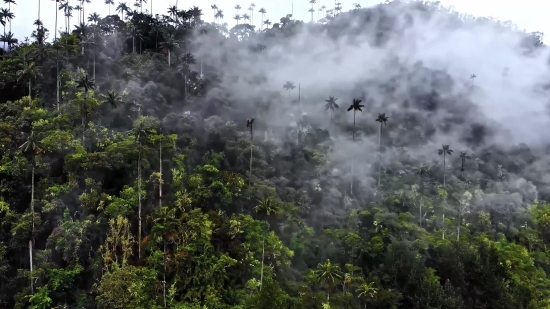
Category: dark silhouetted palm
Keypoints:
(288, 86)
(382, 119)
(331, 105)
(355, 106)
(112, 98)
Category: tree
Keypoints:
(331, 105)
(32, 146)
(29, 71)
(288, 86)
(88, 84)
(266, 206)
(382, 119)
(263, 12)
(366, 291)
(139, 132)
(168, 45)
(328, 273)
(463, 157)
(112, 99)
(355, 106)
(444, 151)
(249, 123)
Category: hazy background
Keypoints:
(527, 14)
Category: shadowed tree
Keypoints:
(288, 86)
(112, 98)
(88, 84)
(249, 123)
(311, 10)
(328, 273)
(331, 105)
(32, 146)
(444, 151)
(168, 45)
(472, 78)
(463, 157)
(355, 106)
(382, 119)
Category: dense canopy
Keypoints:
(166, 162)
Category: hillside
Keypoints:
(389, 157)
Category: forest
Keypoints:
(385, 157)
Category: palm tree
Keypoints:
(29, 72)
(32, 145)
(472, 78)
(6, 16)
(444, 151)
(237, 17)
(121, 8)
(422, 170)
(366, 290)
(355, 106)
(9, 3)
(112, 98)
(266, 206)
(263, 12)
(312, 10)
(139, 133)
(249, 123)
(288, 86)
(251, 10)
(167, 224)
(329, 274)
(109, 3)
(332, 105)
(463, 157)
(9, 39)
(382, 119)
(88, 84)
(169, 44)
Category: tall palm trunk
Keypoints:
(38, 9)
(56, 61)
(139, 202)
(379, 152)
(262, 269)
(250, 168)
(352, 158)
(30, 87)
(31, 240)
(164, 275)
(443, 212)
(83, 118)
(94, 67)
(160, 173)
